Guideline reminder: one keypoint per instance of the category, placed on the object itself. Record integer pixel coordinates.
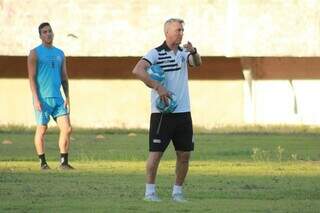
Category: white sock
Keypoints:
(150, 188)
(176, 189)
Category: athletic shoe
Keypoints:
(179, 198)
(44, 167)
(152, 197)
(65, 167)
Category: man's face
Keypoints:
(46, 35)
(175, 32)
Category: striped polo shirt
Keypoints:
(175, 66)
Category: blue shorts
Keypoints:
(50, 107)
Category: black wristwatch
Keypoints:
(195, 51)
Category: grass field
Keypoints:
(228, 173)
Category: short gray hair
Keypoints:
(172, 20)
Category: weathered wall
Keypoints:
(213, 68)
(105, 28)
(282, 102)
(130, 28)
(124, 103)
(281, 90)
(276, 88)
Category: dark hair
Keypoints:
(42, 25)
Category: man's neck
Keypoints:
(172, 46)
(47, 45)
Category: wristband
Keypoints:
(195, 51)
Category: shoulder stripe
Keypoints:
(147, 61)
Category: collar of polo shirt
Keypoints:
(165, 46)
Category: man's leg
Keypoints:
(39, 139)
(151, 170)
(64, 139)
(39, 145)
(182, 167)
(152, 166)
(184, 143)
(158, 142)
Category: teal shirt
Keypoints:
(49, 71)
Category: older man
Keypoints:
(175, 126)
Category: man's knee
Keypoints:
(67, 130)
(154, 158)
(183, 157)
(41, 130)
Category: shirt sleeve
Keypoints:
(151, 57)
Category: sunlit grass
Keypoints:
(167, 167)
(247, 172)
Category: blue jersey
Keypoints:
(49, 71)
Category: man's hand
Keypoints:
(163, 93)
(37, 104)
(188, 46)
(195, 59)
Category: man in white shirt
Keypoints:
(175, 126)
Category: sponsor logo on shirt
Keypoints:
(156, 140)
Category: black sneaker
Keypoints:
(65, 167)
(44, 167)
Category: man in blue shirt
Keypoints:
(47, 72)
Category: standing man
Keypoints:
(176, 126)
(47, 72)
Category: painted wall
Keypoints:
(124, 103)
(282, 90)
(130, 28)
(262, 33)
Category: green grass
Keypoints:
(228, 173)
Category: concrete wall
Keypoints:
(276, 88)
(283, 102)
(212, 68)
(130, 28)
(124, 103)
(281, 90)
(274, 91)
(106, 27)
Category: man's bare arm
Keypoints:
(65, 83)
(194, 58)
(32, 63)
(140, 71)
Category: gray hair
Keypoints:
(172, 20)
